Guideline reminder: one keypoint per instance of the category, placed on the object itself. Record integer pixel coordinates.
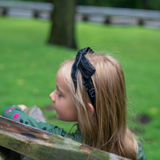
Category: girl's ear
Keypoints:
(91, 108)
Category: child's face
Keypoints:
(62, 100)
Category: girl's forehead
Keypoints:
(59, 75)
(60, 82)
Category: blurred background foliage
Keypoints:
(137, 4)
(28, 69)
(28, 66)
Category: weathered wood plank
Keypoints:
(39, 144)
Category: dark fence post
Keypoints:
(85, 17)
(141, 22)
(36, 14)
(107, 20)
(4, 11)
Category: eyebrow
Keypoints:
(59, 89)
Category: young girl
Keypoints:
(90, 89)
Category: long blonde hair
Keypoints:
(107, 128)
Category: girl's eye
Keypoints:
(59, 95)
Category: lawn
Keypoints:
(28, 68)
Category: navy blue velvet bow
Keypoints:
(87, 70)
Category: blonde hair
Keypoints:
(107, 128)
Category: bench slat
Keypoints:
(39, 144)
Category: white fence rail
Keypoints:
(85, 12)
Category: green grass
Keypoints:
(28, 68)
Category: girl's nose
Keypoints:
(52, 96)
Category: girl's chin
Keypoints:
(53, 107)
(59, 118)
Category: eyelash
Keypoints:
(59, 95)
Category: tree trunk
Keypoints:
(63, 29)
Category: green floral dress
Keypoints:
(15, 113)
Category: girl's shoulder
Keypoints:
(77, 136)
(141, 154)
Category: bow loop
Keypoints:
(86, 68)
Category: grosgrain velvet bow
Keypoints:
(87, 70)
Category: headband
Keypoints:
(87, 70)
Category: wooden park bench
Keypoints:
(85, 12)
(21, 142)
